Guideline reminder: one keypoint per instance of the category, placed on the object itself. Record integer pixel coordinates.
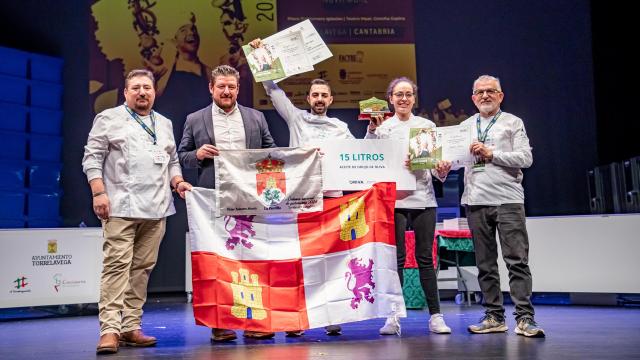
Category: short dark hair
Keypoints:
(224, 70)
(139, 72)
(319, 82)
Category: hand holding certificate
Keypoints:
(289, 52)
(427, 146)
(278, 58)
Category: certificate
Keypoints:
(427, 146)
(278, 57)
(455, 141)
(357, 164)
(317, 50)
(291, 51)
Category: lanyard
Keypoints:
(483, 136)
(151, 132)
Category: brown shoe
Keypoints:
(220, 335)
(108, 344)
(136, 338)
(296, 333)
(258, 335)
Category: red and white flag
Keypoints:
(294, 272)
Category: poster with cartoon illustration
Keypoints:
(180, 42)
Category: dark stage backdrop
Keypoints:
(542, 51)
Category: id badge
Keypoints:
(478, 167)
(160, 157)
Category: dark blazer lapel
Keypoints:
(207, 117)
(248, 126)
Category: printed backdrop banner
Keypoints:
(268, 181)
(180, 42)
(294, 272)
(50, 266)
(371, 41)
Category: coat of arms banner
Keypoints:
(268, 181)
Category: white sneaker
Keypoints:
(391, 326)
(437, 324)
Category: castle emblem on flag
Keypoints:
(239, 228)
(353, 224)
(247, 296)
(360, 281)
(271, 182)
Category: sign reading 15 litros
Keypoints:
(361, 157)
(357, 164)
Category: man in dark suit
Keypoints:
(224, 124)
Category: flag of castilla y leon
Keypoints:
(295, 271)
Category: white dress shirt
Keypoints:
(228, 128)
(500, 181)
(136, 173)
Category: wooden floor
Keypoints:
(573, 332)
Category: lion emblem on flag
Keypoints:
(360, 281)
(239, 228)
(271, 183)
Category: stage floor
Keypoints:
(573, 332)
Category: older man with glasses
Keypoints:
(494, 199)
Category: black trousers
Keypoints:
(509, 220)
(423, 222)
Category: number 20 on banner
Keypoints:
(266, 11)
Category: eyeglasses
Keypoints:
(400, 95)
(489, 92)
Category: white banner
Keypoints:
(50, 266)
(268, 181)
(357, 164)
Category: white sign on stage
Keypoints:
(356, 164)
(50, 266)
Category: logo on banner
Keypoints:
(52, 257)
(60, 282)
(52, 246)
(19, 285)
(57, 279)
(358, 57)
(239, 228)
(353, 224)
(360, 281)
(271, 182)
(247, 296)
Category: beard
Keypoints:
(143, 106)
(319, 108)
(224, 103)
(487, 108)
